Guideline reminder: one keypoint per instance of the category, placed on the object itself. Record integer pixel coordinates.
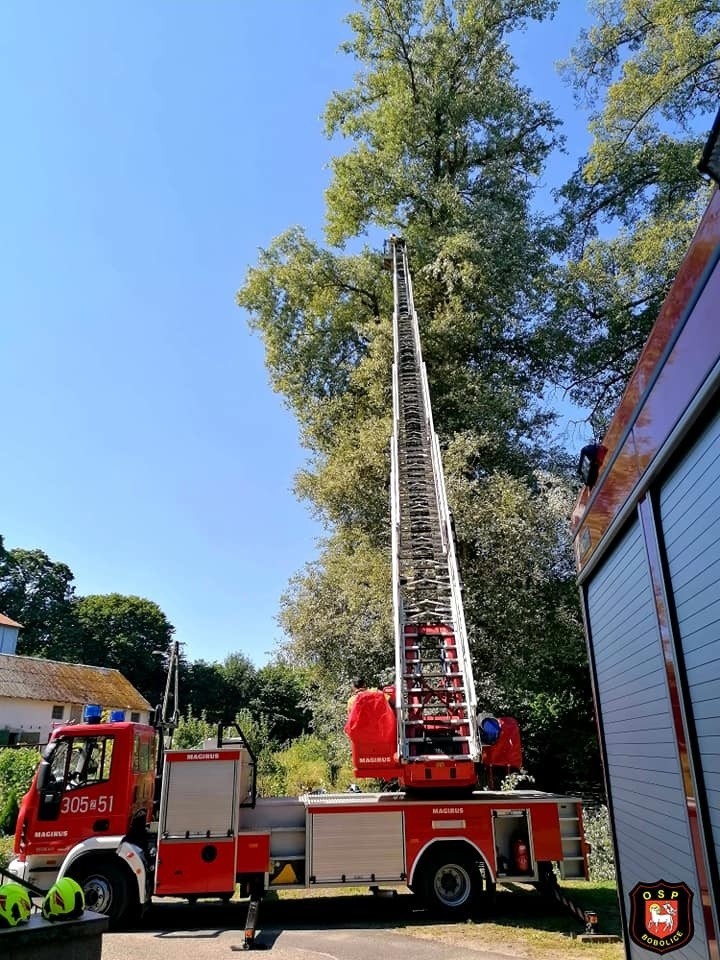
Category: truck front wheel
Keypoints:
(107, 888)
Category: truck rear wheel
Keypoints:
(450, 883)
(107, 889)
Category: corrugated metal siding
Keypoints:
(690, 509)
(649, 809)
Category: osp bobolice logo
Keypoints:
(661, 915)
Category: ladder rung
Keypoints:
(420, 723)
(438, 691)
(433, 676)
(435, 668)
(416, 646)
(440, 702)
(429, 740)
(413, 674)
(454, 709)
(449, 721)
(429, 758)
(458, 705)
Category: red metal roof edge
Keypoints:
(697, 256)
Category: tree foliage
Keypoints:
(440, 127)
(204, 692)
(127, 633)
(39, 593)
(132, 635)
(274, 694)
(522, 615)
(598, 833)
(445, 146)
(192, 731)
(280, 699)
(649, 71)
(219, 690)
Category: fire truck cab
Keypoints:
(92, 797)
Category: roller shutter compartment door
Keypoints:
(643, 769)
(690, 511)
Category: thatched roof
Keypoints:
(32, 678)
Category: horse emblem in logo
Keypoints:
(661, 915)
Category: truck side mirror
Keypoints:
(43, 777)
(591, 459)
(50, 793)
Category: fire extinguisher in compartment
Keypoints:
(521, 855)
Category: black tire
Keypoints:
(109, 889)
(451, 883)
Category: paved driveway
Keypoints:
(319, 928)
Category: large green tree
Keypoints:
(281, 700)
(219, 690)
(649, 72)
(39, 593)
(445, 146)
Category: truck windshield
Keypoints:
(80, 761)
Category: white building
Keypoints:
(37, 695)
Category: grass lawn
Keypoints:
(524, 925)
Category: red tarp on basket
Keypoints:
(371, 727)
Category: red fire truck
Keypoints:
(89, 816)
(94, 813)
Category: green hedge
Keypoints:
(17, 766)
(601, 861)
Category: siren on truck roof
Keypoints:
(489, 729)
(92, 713)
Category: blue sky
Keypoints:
(150, 148)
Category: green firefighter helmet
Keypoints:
(15, 905)
(64, 900)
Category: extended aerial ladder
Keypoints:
(435, 737)
(438, 738)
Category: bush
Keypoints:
(9, 811)
(601, 860)
(192, 731)
(519, 780)
(17, 767)
(306, 765)
(6, 850)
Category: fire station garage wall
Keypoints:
(643, 768)
(690, 510)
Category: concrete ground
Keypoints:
(355, 928)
